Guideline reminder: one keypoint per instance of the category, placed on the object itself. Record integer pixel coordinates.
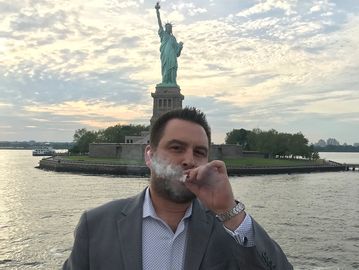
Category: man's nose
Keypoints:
(188, 160)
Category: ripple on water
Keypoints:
(355, 239)
(45, 217)
(32, 263)
(332, 248)
(307, 238)
(258, 206)
(6, 261)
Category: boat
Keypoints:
(43, 150)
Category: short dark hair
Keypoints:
(190, 114)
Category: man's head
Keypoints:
(187, 114)
(168, 28)
(179, 141)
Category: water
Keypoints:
(314, 217)
(341, 157)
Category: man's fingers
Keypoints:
(207, 173)
(211, 169)
(220, 165)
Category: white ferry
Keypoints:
(43, 150)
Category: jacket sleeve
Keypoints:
(266, 254)
(79, 257)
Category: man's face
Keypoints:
(183, 146)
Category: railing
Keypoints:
(351, 167)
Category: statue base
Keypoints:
(168, 85)
(166, 98)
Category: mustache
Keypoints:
(166, 170)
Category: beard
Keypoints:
(167, 181)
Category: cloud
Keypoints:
(189, 8)
(5, 105)
(322, 6)
(35, 21)
(94, 114)
(130, 42)
(9, 7)
(120, 5)
(287, 6)
(272, 63)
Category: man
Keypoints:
(170, 50)
(186, 219)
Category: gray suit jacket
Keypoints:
(110, 238)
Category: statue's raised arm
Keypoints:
(157, 7)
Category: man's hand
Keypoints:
(211, 185)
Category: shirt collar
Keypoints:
(149, 210)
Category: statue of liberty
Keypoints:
(170, 50)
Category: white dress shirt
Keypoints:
(164, 249)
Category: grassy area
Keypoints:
(240, 162)
(266, 162)
(115, 161)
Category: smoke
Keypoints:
(164, 169)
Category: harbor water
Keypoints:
(314, 217)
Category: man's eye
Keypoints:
(200, 153)
(176, 147)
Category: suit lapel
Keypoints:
(129, 227)
(199, 229)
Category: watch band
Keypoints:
(238, 208)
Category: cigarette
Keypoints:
(183, 178)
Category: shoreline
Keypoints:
(62, 165)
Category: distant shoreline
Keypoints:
(24, 148)
(31, 148)
(15, 148)
(62, 165)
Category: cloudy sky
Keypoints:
(291, 65)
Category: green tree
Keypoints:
(268, 142)
(82, 140)
(113, 134)
(298, 145)
(237, 136)
(253, 139)
(79, 133)
(282, 142)
(315, 155)
(272, 142)
(117, 133)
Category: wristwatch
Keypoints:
(238, 208)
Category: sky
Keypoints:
(288, 65)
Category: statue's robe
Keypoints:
(170, 50)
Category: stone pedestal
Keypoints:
(165, 99)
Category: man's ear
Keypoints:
(148, 156)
